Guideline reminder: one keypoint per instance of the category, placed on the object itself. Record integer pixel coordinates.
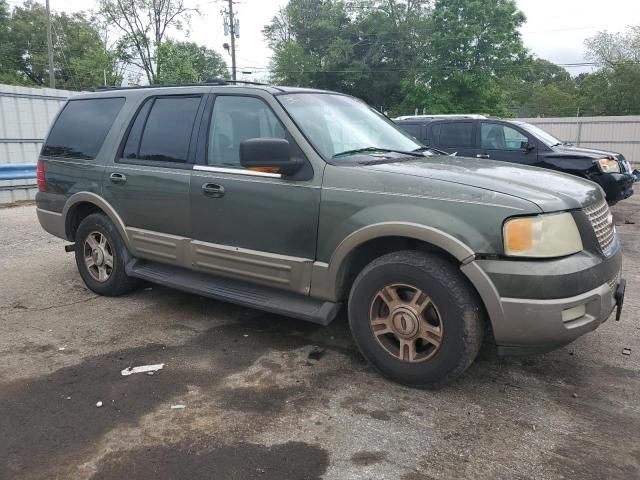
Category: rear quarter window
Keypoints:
(81, 127)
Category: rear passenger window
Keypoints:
(453, 134)
(162, 130)
(81, 128)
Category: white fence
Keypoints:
(618, 134)
(25, 116)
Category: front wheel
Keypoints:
(415, 318)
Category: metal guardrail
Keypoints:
(17, 171)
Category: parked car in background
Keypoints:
(299, 201)
(520, 142)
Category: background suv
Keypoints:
(520, 142)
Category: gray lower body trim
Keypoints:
(279, 271)
(537, 324)
(52, 222)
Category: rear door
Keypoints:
(148, 181)
(453, 136)
(502, 141)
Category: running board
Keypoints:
(235, 291)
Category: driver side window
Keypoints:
(501, 137)
(235, 119)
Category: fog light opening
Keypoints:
(574, 313)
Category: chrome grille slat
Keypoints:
(602, 223)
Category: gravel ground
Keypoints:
(256, 406)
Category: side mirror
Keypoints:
(528, 146)
(270, 155)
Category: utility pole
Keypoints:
(231, 27)
(52, 73)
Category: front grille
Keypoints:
(602, 223)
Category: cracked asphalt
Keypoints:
(256, 406)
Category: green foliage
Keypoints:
(613, 90)
(365, 48)
(143, 26)
(187, 62)
(313, 45)
(472, 45)
(80, 56)
(541, 88)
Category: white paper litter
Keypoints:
(142, 369)
(178, 407)
(99, 404)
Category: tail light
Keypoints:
(40, 177)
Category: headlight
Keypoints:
(542, 236)
(609, 166)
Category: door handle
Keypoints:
(117, 178)
(213, 190)
(483, 155)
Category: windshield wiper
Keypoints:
(375, 149)
(432, 150)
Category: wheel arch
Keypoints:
(81, 204)
(331, 280)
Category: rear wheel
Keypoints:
(101, 256)
(415, 318)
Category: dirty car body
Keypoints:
(300, 202)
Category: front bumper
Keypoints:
(536, 326)
(616, 186)
(532, 322)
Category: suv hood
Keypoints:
(584, 152)
(550, 191)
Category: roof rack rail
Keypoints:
(442, 116)
(212, 81)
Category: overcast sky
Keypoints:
(555, 29)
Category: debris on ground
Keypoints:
(316, 353)
(178, 407)
(99, 404)
(626, 351)
(142, 369)
(575, 395)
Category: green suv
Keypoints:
(300, 201)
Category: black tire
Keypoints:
(459, 310)
(117, 283)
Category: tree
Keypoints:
(8, 67)
(540, 88)
(473, 43)
(393, 39)
(360, 47)
(613, 90)
(313, 42)
(144, 25)
(81, 59)
(187, 62)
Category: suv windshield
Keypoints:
(546, 138)
(339, 126)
